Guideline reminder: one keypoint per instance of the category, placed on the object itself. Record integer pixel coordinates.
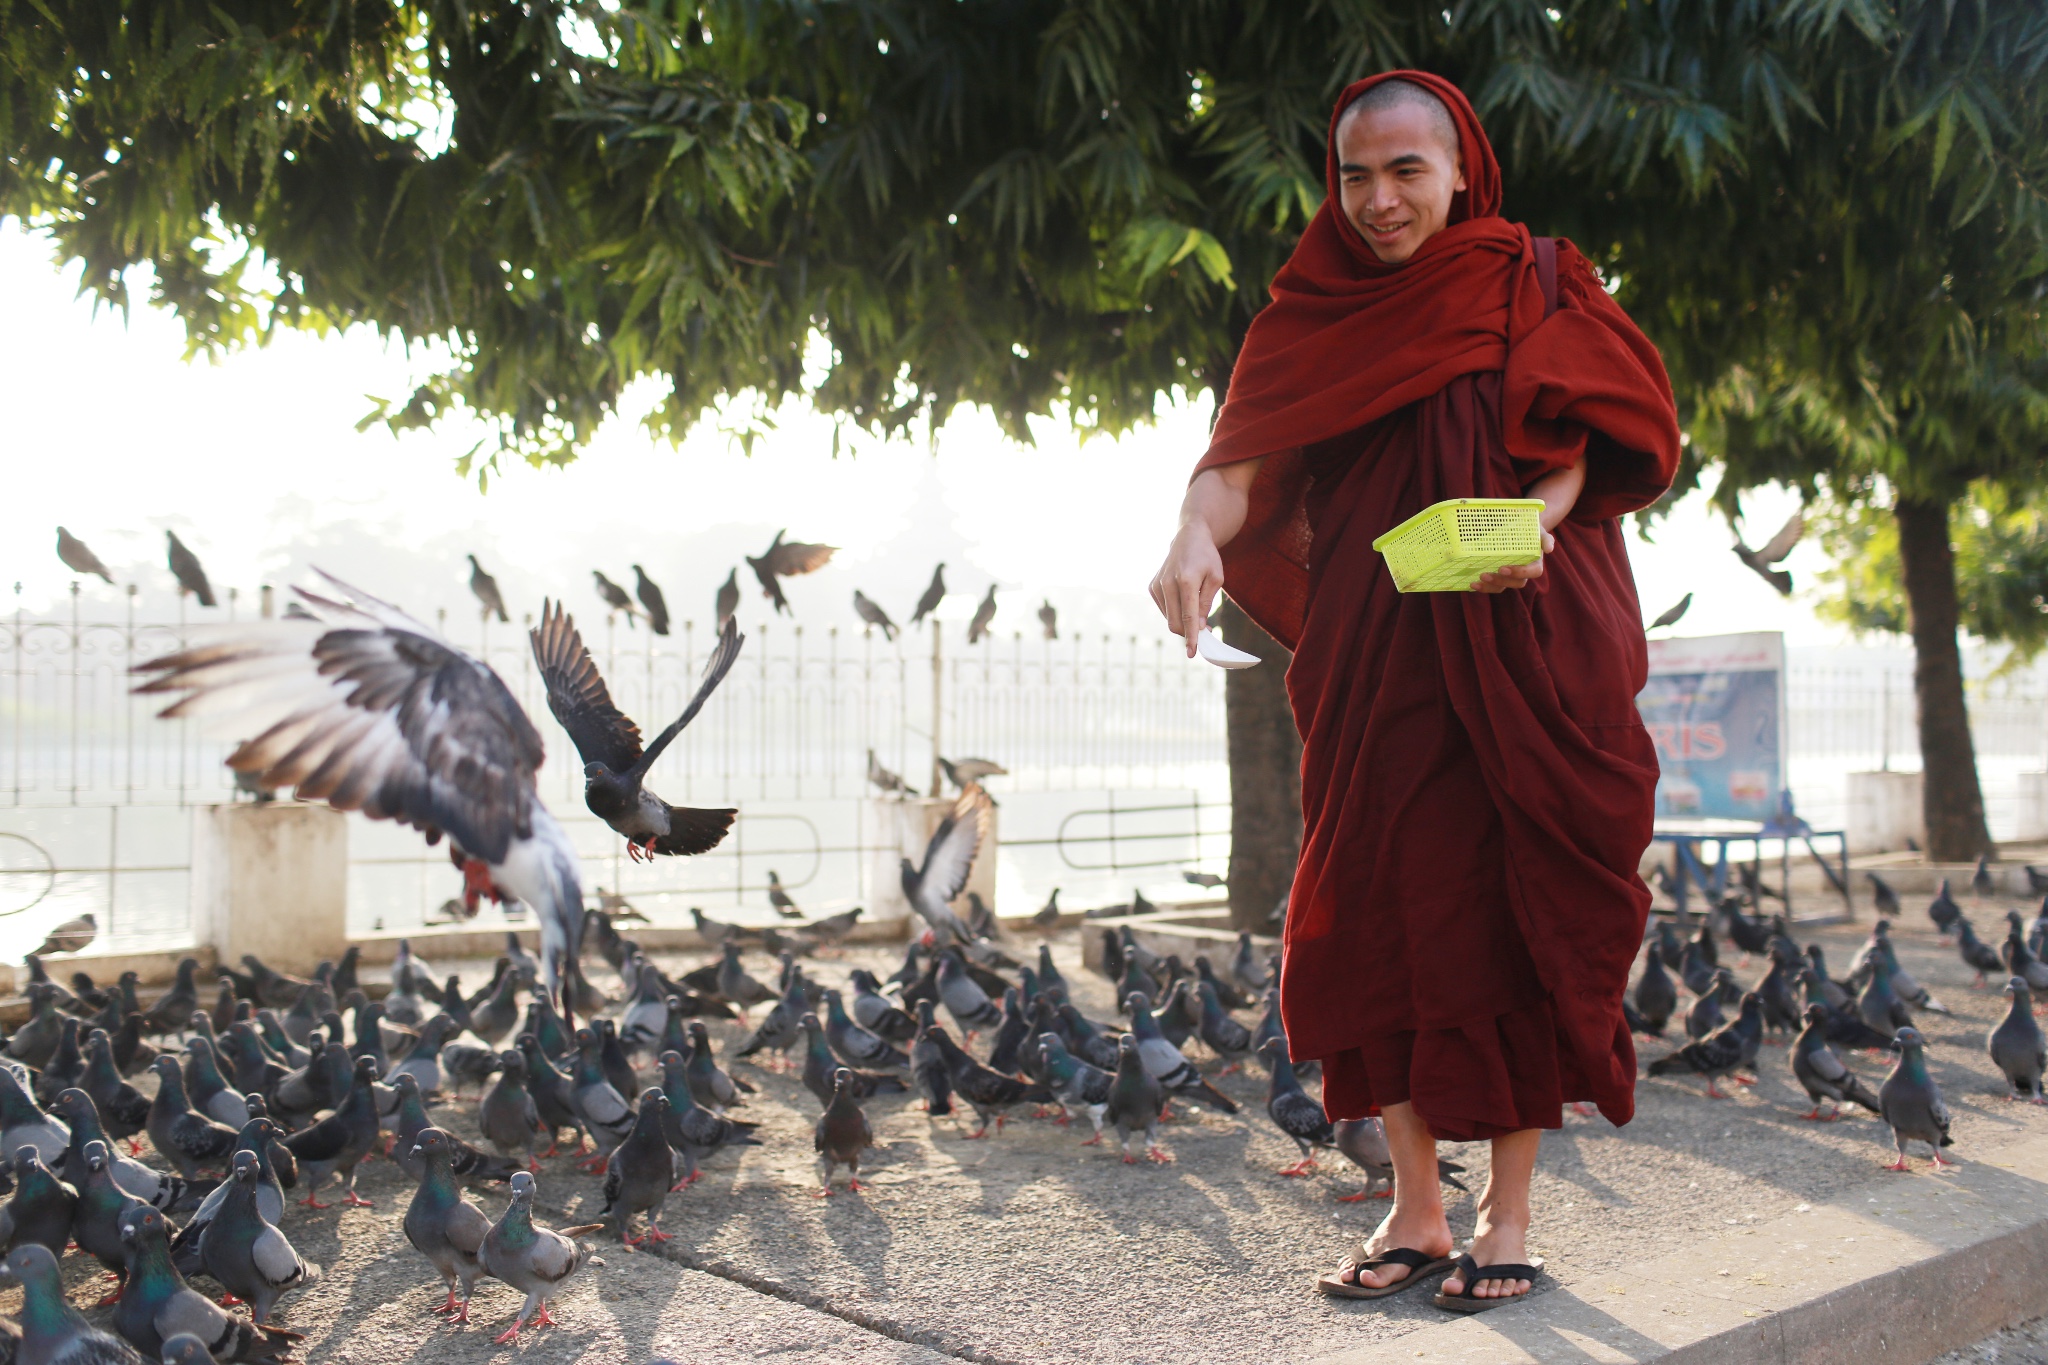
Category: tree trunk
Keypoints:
(1265, 775)
(1951, 800)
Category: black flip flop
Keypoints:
(1420, 1266)
(1472, 1273)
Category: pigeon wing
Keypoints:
(369, 712)
(790, 558)
(1780, 545)
(950, 855)
(577, 694)
(715, 668)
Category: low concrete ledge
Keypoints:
(1180, 931)
(1899, 1270)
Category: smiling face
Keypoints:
(1397, 172)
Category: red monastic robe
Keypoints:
(1477, 788)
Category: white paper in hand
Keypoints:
(1220, 654)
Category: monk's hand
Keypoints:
(1514, 575)
(1187, 583)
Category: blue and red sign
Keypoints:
(1715, 708)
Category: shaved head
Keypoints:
(1407, 94)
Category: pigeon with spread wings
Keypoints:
(1773, 550)
(786, 559)
(614, 764)
(368, 710)
(947, 861)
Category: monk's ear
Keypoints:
(1460, 185)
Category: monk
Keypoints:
(1476, 785)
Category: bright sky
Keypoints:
(256, 464)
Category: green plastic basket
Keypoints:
(1446, 547)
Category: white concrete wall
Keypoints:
(1885, 812)
(2032, 823)
(271, 880)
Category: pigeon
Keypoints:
(647, 1015)
(615, 767)
(787, 559)
(508, 1118)
(713, 1087)
(1077, 1085)
(778, 1031)
(934, 594)
(1943, 910)
(532, 1259)
(1656, 997)
(1173, 1071)
(1815, 1066)
(1911, 1102)
(865, 608)
(244, 1251)
(1293, 1112)
(1773, 550)
(466, 1161)
(948, 859)
(337, 1144)
(72, 936)
(1220, 1033)
(820, 1067)
(208, 1091)
(640, 1171)
(614, 597)
(1780, 997)
(185, 567)
(1844, 1024)
(853, 1044)
(612, 1060)
(2021, 962)
(96, 1216)
(2037, 933)
(1982, 884)
(52, 1331)
(875, 1012)
(1751, 934)
(156, 1303)
(963, 997)
(966, 772)
(736, 986)
(1697, 970)
(78, 557)
(929, 1067)
(486, 589)
(1047, 917)
(1979, 956)
(1671, 614)
(1364, 1144)
(1907, 989)
(883, 780)
(2016, 1046)
(1246, 968)
(155, 1188)
(1049, 620)
(691, 1127)
(1883, 896)
(369, 710)
(779, 899)
(1136, 1100)
(189, 1140)
(1836, 995)
(1093, 1045)
(989, 1093)
(728, 599)
(40, 1209)
(1208, 881)
(1879, 1005)
(984, 613)
(259, 1136)
(604, 1112)
(651, 601)
(1720, 1052)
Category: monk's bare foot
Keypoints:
(1495, 1243)
(1426, 1232)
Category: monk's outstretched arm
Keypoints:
(1210, 515)
(1559, 490)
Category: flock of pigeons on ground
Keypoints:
(1870, 1009)
(782, 559)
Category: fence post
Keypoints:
(938, 784)
(271, 879)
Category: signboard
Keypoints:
(1715, 708)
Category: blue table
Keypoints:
(1692, 865)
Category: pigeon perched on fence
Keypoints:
(614, 597)
(984, 613)
(787, 559)
(485, 588)
(531, 1259)
(865, 608)
(934, 594)
(1822, 1073)
(651, 601)
(367, 709)
(2016, 1046)
(186, 568)
(1049, 620)
(78, 557)
(1911, 1101)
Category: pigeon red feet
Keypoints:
(228, 1300)
(1354, 1198)
(855, 1187)
(1130, 1160)
(1819, 1117)
(113, 1296)
(978, 1133)
(1899, 1165)
(1712, 1093)
(1095, 1141)
(355, 1201)
(1301, 1167)
(543, 1319)
(1160, 1155)
(825, 1193)
(653, 1234)
(451, 1305)
(134, 1147)
(309, 1202)
(508, 1333)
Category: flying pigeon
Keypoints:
(185, 567)
(614, 596)
(375, 712)
(651, 601)
(841, 1135)
(1911, 1102)
(1049, 618)
(948, 859)
(486, 589)
(865, 608)
(786, 559)
(934, 594)
(728, 599)
(1822, 1073)
(532, 1259)
(1670, 615)
(1773, 550)
(884, 780)
(968, 772)
(78, 557)
(72, 936)
(615, 767)
(2016, 1046)
(983, 614)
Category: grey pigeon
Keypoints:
(499, 1013)
(554, 1095)
(778, 1031)
(207, 1090)
(1833, 993)
(1911, 1102)
(443, 1226)
(934, 593)
(967, 1002)
(651, 600)
(173, 1010)
(1049, 620)
(157, 1304)
(647, 1014)
(35, 1042)
(865, 608)
(1822, 1073)
(1656, 995)
(2021, 962)
(1879, 1005)
(605, 1113)
(1844, 1025)
(1979, 956)
(690, 1127)
(187, 570)
(928, 1066)
(40, 1208)
(1779, 995)
(337, 1144)
(820, 1067)
(714, 1088)
(1136, 1100)
(78, 556)
(1293, 1112)
(989, 1093)
(259, 1136)
(96, 1217)
(1173, 1070)
(615, 597)
(948, 860)
(1047, 917)
(508, 1117)
(1220, 1033)
(1246, 967)
(423, 1060)
(1075, 1084)
(875, 1012)
(728, 599)
(735, 985)
(854, 1045)
(641, 1170)
(1943, 910)
(1364, 1144)
(244, 1251)
(2016, 1046)
(155, 1188)
(486, 589)
(22, 1121)
(984, 613)
(532, 1259)
(1720, 1052)
(52, 1331)
(1982, 884)
(841, 1135)
(786, 559)
(466, 1161)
